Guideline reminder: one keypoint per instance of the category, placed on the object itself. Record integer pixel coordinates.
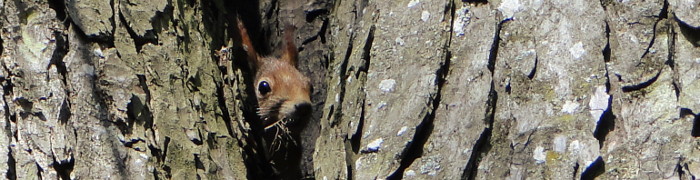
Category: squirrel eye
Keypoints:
(264, 87)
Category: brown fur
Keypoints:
(290, 90)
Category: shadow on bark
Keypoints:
(594, 170)
(692, 34)
(695, 130)
(606, 124)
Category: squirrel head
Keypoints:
(283, 93)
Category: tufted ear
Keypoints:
(254, 59)
(290, 53)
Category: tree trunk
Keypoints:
(402, 89)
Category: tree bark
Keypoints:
(503, 89)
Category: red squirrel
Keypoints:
(283, 93)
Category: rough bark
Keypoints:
(511, 89)
(502, 89)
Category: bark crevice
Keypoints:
(139, 41)
(595, 169)
(642, 85)
(414, 149)
(691, 33)
(11, 165)
(695, 130)
(59, 7)
(662, 15)
(64, 167)
(606, 123)
(483, 144)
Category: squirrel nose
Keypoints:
(303, 109)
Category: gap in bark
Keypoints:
(131, 142)
(112, 21)
(691, 33)
(685, 166)
(606, 51)
(695, 130)
(342, 74)
(354, 143)
(483, 144)
(39, 170)
(476, 2)
(163, 20)
(272, 9)
(576, 167)
(313, 14)
(670, 61)
(494, 46)
(415, 146)
(534, 69)
(102, 41)
(480, 149)
(414, 149)
(155, 174)
(605, 124)
(664, 11)
(605, 3)
(9, 118)
(168, 172)
(366, 58)
(425, 128)
(59, 7)
(323, 31)
(676, 90)
(221, 99)
(679, 170)
(191, 3)
(166, 143)
(161, 158)
(2, 48)
(63, 168)
(135, 107)
(58, 55)
(144, 87)
(508, 87)
(366, 52)
(64, 113)
(321, 34)
(133, 111)
(198, 162)
(356, 137)
(139, 41)
(640, 86)
(594, 170)
(217, 23)
(662, 15)
(11, 165)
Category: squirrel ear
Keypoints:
(254, 59)
(290, 53)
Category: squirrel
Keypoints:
(283, 93)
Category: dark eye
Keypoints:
(264, 87)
